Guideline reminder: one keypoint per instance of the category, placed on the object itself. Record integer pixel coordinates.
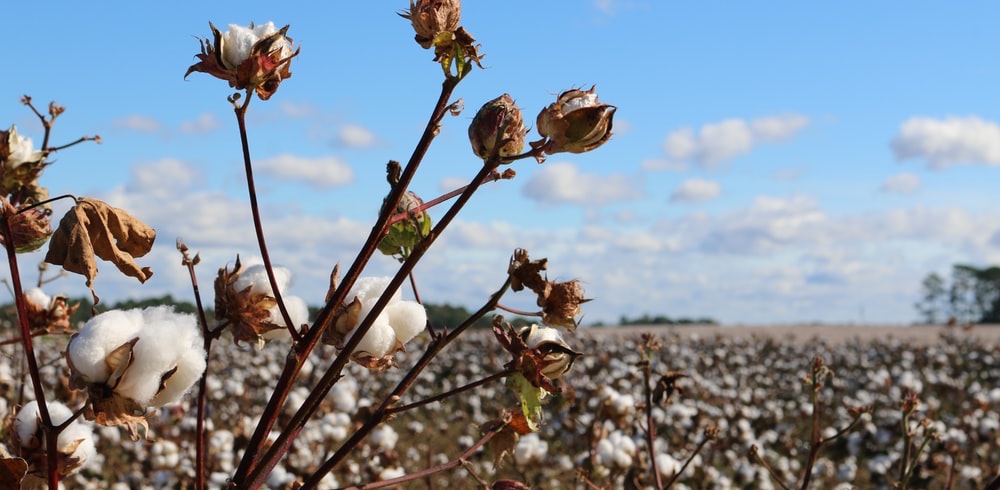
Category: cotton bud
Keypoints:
(497, 129)
(75, 444)
(557, 357)
(130, 360)
(406, 233)
(254, 57)
(576, 122)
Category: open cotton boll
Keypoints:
(255, 277)
(26, 427)
(164, 341)
(26, 422)
(408, 318)
(100, 336)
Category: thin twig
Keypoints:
(449, 393)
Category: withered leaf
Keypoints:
(94, 228)
(12, 471)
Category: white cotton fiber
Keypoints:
(164, 339)
(407, 318)
(255, 276)
(100, 336)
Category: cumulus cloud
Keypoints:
(298, 111)
(719, 142)
(562, 182)
(320, 172)
(205, 123)
(136, 122)
(948, 141)
(696, 190)
(904, 183)
(354, 136)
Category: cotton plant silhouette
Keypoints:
(122, 365)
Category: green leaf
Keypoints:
(531, 399)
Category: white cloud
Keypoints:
(904, 183)
(142, 124)
(354, 136)
(719, 142)
(449, 184)
(320, 172)
(163, 178)
(561, 182)
(664, 164)
(696, 190)
(948, 141)
(298, 111)
(205, 123)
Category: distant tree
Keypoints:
(972, 296)
(933, 304)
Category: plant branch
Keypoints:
(207, 338)
(436, 345)
(300, 350)
(441, 396)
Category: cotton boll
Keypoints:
(76, 440)
(297, 310)
(99, 337)
(408, 318)
(369, 289)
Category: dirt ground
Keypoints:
(915, 334)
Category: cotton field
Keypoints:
(739, 416)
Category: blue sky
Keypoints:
(779, 162)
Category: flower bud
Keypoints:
(498, 129)
(557, 356)
(576, 122)
(247, 57)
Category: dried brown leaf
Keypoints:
(92, 229)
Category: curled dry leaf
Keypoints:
(12, 471)
(94, 228)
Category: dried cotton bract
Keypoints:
(130, 360)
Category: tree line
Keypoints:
(970, 295)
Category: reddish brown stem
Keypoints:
(241, 113)
(207, 338)
(51, 432)
(650, 425)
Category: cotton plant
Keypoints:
(129, 361)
